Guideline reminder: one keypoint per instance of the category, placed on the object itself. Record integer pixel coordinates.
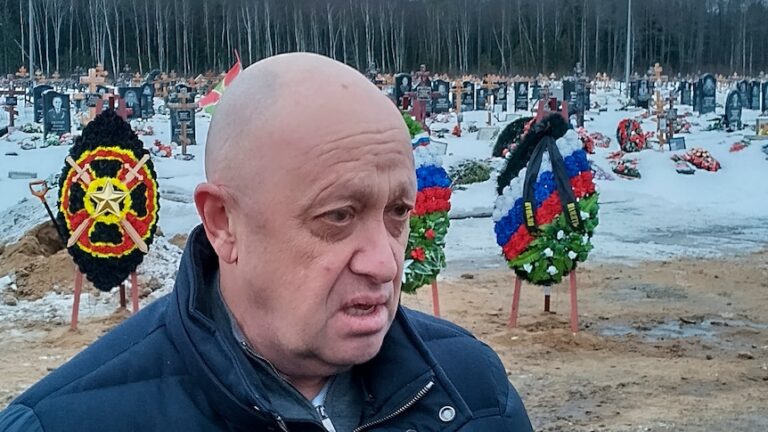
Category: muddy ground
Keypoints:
(662, 346)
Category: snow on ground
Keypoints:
(664, 215)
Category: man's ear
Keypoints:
(211, 204)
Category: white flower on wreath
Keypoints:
(572, 255)
(560, 235)
(548, 253)
(406, 268)
(584, 239)
(584, 215)
(552, 270)
(528, 268)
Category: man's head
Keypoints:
(130, 97)
(57, 103)
(307, 206)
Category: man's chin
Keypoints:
(358, 351)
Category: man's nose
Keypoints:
(375, 257)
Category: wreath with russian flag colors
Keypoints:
(631, 136)
(424, 255)
(546, 209)
(108, 201)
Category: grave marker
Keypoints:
(37, 101)
(746, 95)
(468, 96)
(57, 119)
(685, 92)
(147, 100)
(754, 89)
(130, 95)
(442, 103)
(183, 119)
(733, 107)
(708, 94)
(500, 95)
(10, 102)
(764, 106)
(521, 96)
(402, 87)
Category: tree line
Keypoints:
(453, 36)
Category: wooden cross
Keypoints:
(458, 91)
(183, 105)
(660, 131)
(93, 79)
(657, 69)
(671, 120)
(100, 71)
(22, 73)
(39, 77)
(11, 107)
(137, 79)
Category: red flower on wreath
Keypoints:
(418, 254)
(429, 234)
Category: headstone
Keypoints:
(500, 96)
(644, 93)
(578, 102)
(746, 95)
(402, 86)
(708, 94)
(37, 97)
(754, 89)
(487, 133)
(568, 88)
(685, 92)
(733, 106)
(147, 100)
(132, 100)
(521, 96)
(480, 97)
(633, 92)
(765, 97)
(535, 91)
(57, 116)
(677, 143)
(182, 112)
(442, 103)
(468, 97)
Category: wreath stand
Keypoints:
(123, 302)
(435, 299)
(574, 305)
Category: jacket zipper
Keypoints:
(400, 410)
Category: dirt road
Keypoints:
(664, 346)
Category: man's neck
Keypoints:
(309, 387)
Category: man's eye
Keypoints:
(401, 210)
(339, 216)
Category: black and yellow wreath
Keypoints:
(108, 201)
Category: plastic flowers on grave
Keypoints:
(586, 138)
(424, 256)
(108, 201)
(546, 243)
(630, 135)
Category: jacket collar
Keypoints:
(402, 369)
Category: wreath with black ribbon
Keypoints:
(108, 201)
(547, 207)
(510, 137)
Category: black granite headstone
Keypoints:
(733, 107)
(633, 92)
(480, 97)
(764, 86)
(57, 116)
(521, 95)
(37, 98)
(182, 115)
(746, 95)
(684, 88)
(132, 100)
(500, 94)
(147, 100)
(442, 103)
(754, 89)
(535, 91)
(644, 93)
(708, 94)
(402, 86)
(468, 97)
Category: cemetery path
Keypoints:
(677, 345)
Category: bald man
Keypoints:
(285, 315)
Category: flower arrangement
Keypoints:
(510, 137)
(587, 140)
(630, 136)
(546, 253)
(108, 201)
(699, 158)
(424, 256)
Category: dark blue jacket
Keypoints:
(171, 368)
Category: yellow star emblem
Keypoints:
(108, 200)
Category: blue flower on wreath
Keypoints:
(432, 176)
